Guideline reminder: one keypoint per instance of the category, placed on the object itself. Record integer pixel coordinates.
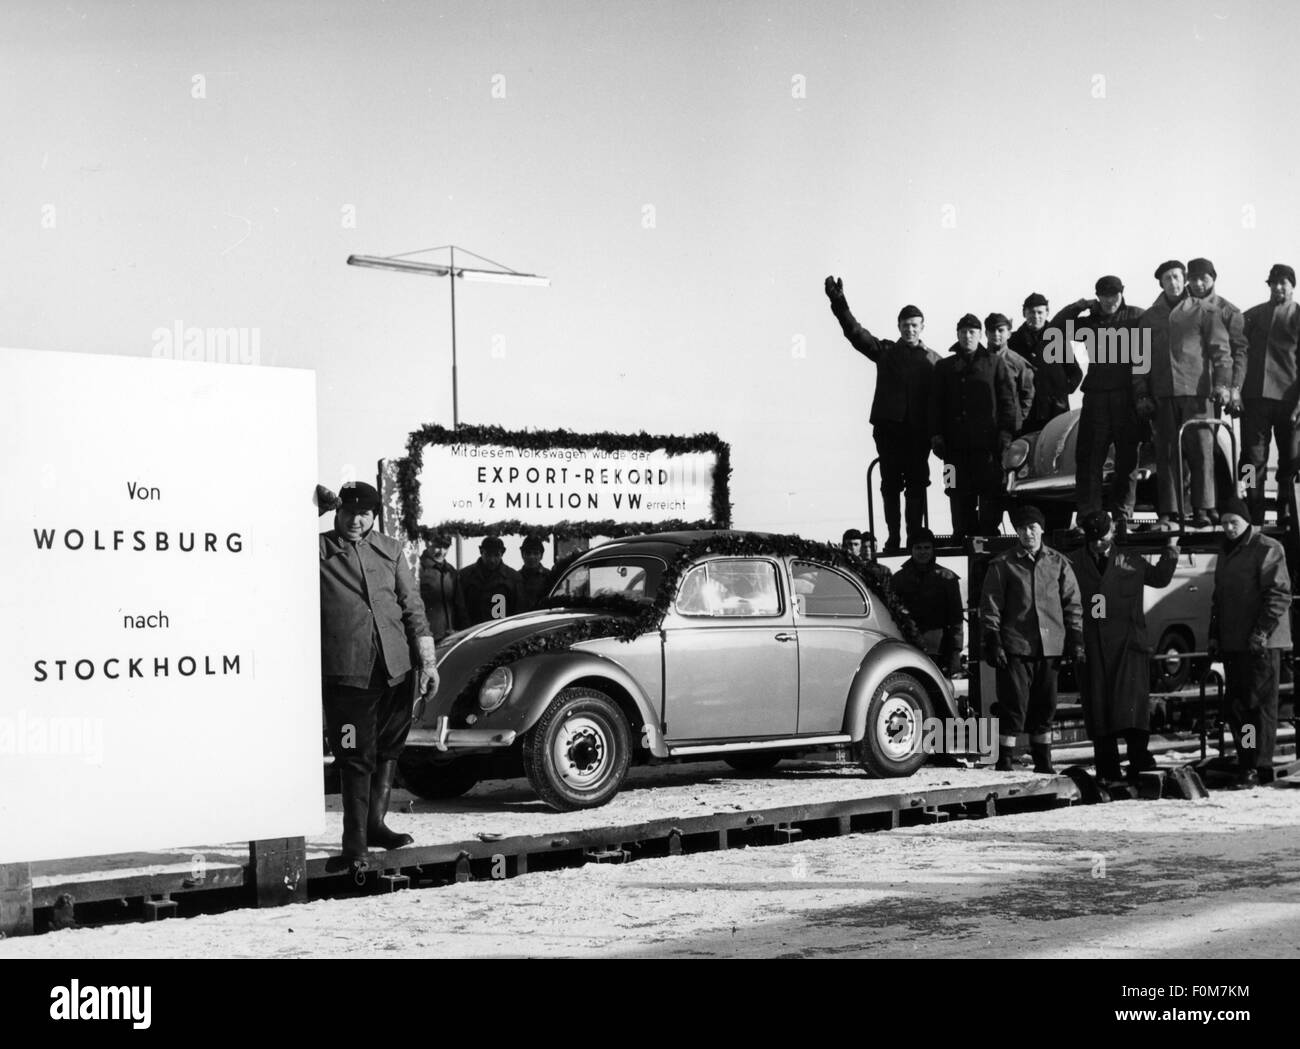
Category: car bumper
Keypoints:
(443, 737)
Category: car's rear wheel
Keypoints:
(436, 780)
(754, 761)
(1172, 669)
(577, 755)
(895, 725)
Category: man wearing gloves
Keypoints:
(1250, 626)
(899, 410)
(1191, 363)
(1030, 615)
(1201, 276)
(1115, 680)
(371, 617)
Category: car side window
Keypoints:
(739, 588)
(823, 591)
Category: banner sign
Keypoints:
(477, 480)
(160, 680)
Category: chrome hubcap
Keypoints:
(581, 751)
(897, 729)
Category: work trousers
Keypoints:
(366, 725)
(1108, 417)
(1198, 453)
(975, 493)
(1251, 694)
(904, 466)
(1266, 420)
(1027, 698)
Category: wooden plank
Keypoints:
(278, 869)
(16, 912)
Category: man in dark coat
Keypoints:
(899, 409)
(444, 604)
(1190, 367)
(972, 418)
(491, 588)
(932, 596)
(1115, 680)
(997, 327)
(534, 580)
(1056, 372)
(1270, 392)
(1250, 626)
(1109, 415)
(1030, 616)
(371, 616)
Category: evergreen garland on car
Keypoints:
(408, 472)
(628, 619)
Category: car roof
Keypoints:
(667, 545)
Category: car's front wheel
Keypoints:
(577, 755)
(895, 726)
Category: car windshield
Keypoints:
(627, 576)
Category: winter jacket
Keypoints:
(444, 604)
(1272, 352)
(1252, 594)
(904, 374)
(1190, 352)
(974, 403)
(1054, 381)
(1030, 604)
(1111, 374)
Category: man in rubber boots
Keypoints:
(1115, 681)
(371, 617)
(1030, 615)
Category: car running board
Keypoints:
(793, 743)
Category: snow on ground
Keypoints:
(1211, 878)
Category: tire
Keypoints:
(754, 762)
(578, 753)
(1172, 673)
(891, 745)
(436, 780)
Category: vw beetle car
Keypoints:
(733, 645)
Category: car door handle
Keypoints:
(785, 637)
(1192, 589)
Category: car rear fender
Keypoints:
(541, 678)
(890, 657)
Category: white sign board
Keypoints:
(545, 486)
(160, 679)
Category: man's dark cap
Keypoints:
(1233, 505)
(1281, 271)
(442, 540)
(969, 321)
(1096, 524)
(850, 535)
(1035, 298)
(1109, 285)
(921, 535)
(492, 542)
(1172, 264)
(357, 495)
(994, 321)
(910, 311)
(1028, 515)
(531, 544)
(1196, 267)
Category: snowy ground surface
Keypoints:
(1212, 878)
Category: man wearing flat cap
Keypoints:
(899, 409)
(1030, 615)
(490, 586)
(1250, 627)
(1271, 393)
(998, 329)
(1109, 415)
(444, 604)
(932, 595)
(371, 618)
(1114, 681)
(534, 579)
(972, 419)
(1201, 276)
(1190, 366)
(1056, 372)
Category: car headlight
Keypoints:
(1016, 454)
(495, 689)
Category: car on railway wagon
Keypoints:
(734, 645)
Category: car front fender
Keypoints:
(539, 679)
(890, 657)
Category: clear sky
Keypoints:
(685, 173)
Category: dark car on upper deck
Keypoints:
(736, 645)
